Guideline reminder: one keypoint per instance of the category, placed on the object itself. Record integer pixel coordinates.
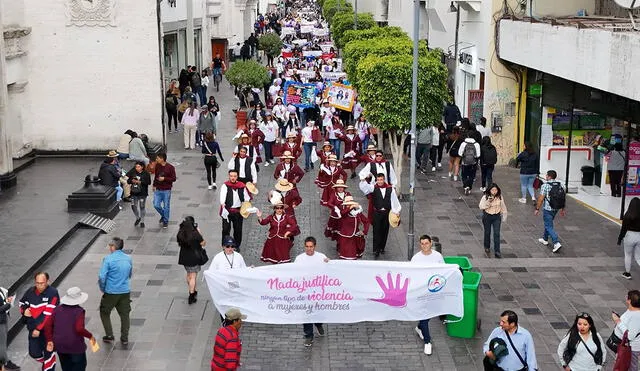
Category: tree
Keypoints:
(271, 44)
(372, 33)
(344, 21)
(385, 92)
(331, 7)
(246, 75)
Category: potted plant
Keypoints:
(245, 75)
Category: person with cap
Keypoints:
(227, 346)
(191, 245)
(308, 144)
(189, 121)
(293, 145)
(282, 229)
(521, 350)
(36, 306)
(232, 194)
(335, 199)
(244, 166)
(311, 257)
(325, 152)
(206, 124)
(382, 201)
(352, 227)
(65, 331)
(114, 282)
(270, 130)
(110, 176)
(165, 176)
(370, 154)
(328, 175)
(288, 169)
(352, 149)
(379, 166)
(228, 258)
(290, 195)
(426, 256)
(6, 303)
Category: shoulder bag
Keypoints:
(526, 367)
(589, 350)
(614, 341)
(201, 255)
(623, 355)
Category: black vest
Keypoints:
(247, 166)
(228, 201)
(380, 202)
(387, 166)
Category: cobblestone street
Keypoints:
(546, 290)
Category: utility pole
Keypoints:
(455, 48)
(191, 55)
(414, 115)
(355, 14)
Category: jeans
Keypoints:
(162, 204)
(308, 147)
(119, 192)
(203, 95)
(122, 304)
(421, 151)
(268, 154)
(308, 329)
(631, 249)
(210, 165)
(336, 146)
(365, 142)
(526, 183)
(468, 175)
(547, 218)
(488, 221)
(138, 207)
(73, 362)
(486, 172)
(423, 325)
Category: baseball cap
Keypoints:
(228, 241)
(233, 314)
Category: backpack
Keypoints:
(196, 80)
(469, 154)
(556, 196)
(489, 155)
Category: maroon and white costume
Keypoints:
(277, 247)
(294, 148)
(334, 203)
(351, 143)
(327, 177)
(291, 172)
(349, 236)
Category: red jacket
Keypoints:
(278, 228)
(296, 151)
(294, 174)
(226, 350)
(168, 172)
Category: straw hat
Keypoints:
(252, 188)
(340, 183)
(332, 157)
(74, 296)
(112, 153)
(394, 220)
(287, 154)
(327, 144)
(283, 185)
(242, 137)
(371, 148)
(244, 209)
(350, 127)
(279, 204)
(292, 135)
(348, 201)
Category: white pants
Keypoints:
(190, 136)
(631, 249)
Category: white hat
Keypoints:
(74, 296)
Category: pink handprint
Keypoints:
(394, 295)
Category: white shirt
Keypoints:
(236, 199)
(357, 110)
(329, 113)
(307, 133)
(630, 320)
(279, 110)
(305, 259)
(435, 136)
(367, 188)
(225, 262)
(379, 169)
(254, 173)
(582, 360)
(204, 81)
(270, 130)
(433, 258)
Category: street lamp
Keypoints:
(453, 8)
(414, 114)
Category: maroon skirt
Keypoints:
(350, 248)
(276, 250)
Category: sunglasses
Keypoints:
(584, 315)
(378, 155)
(279, 208)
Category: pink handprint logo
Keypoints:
(394, 295)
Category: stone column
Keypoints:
(191, 55)
(7, 176)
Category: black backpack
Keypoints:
(469, 154)
(489, 155)
(556, 196)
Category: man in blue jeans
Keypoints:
(165, 175)
(548, 212)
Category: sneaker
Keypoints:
(165, 225)
(142, 225)
(215, 186)
(427, 349)
(439, 165)
(161, 221)
(433, 168)
(120, 207)
(533, 199)
(210, 187)
(308, 342)
(450, 174)
(266, 163)
(543, 241)
(10, 366)
(108, 339)
(137, 222)
(419, 332)
(124, 342)
(626, 275)
(556, 247)
(522, 200)
(487, 251)
(320, 330)
(455, 178)
(498, 255)
(483, 189)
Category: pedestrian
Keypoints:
(36, 306)
(282, 229)
(352, 227)
(324, 152)
(191, 255)
(494, 212)
(293, 145)
(204, 86)
(311, 257)
(242, 164)
(114, 281)
(488, 160)
(196, 83)
(630, 234)
(528, 160)
(288, 169)
(451, 115)
(227, 346)
(290, 196)
(308, 143)
(630, 321)
(110, 176)
(189, 97)
(171, 103)
(123, 144)
(363, 128)
(65, 331)
(165, 176)
(435, 153)
(426, 256)
(379, 166)
(521, 352)
(454, 158)
(232, 194)
(270, 130)
(140, 179)
(352, 149)
(333, 128)
(423, 147)
(183, 81)
(483, 129)
(382, 201)
(552, 199)
(211, 163)
(206, 124)
(137, 149)
(189, 122)
(615, 168)
(328, 176)
(470, 153)
(228, 258)
(582, 348)
(6, 303)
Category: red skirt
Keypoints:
(350, 248)
(326, 194)
(331, 230)
(276, 250)
(350, 162)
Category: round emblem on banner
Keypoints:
(436, 283)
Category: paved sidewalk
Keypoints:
(545, 289)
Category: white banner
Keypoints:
(306, 28)
(312, 53)
(332, 76)
(338, 291)
(320, 32)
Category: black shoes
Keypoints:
(141, 225)
(353, 175)
(10, 366)
(137, 222)
(192, 297)
(108, 339)
(498, 255)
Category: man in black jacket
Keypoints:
(6, 302)
(109, 175)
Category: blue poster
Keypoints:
(299, 94)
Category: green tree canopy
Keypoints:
(246, 75)
(344, 21)
(270, 43)
(331, 7)
(372, 33)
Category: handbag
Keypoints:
(623, 355)
(136, 188)
(526, 367)
(537, 183)
(613, 341)
(202, 256)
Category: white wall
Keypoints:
(598, 58)
(87, 85)
(179, 13)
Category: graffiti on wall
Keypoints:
(500, 109)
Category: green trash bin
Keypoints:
(466, 326)
(463, 262)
